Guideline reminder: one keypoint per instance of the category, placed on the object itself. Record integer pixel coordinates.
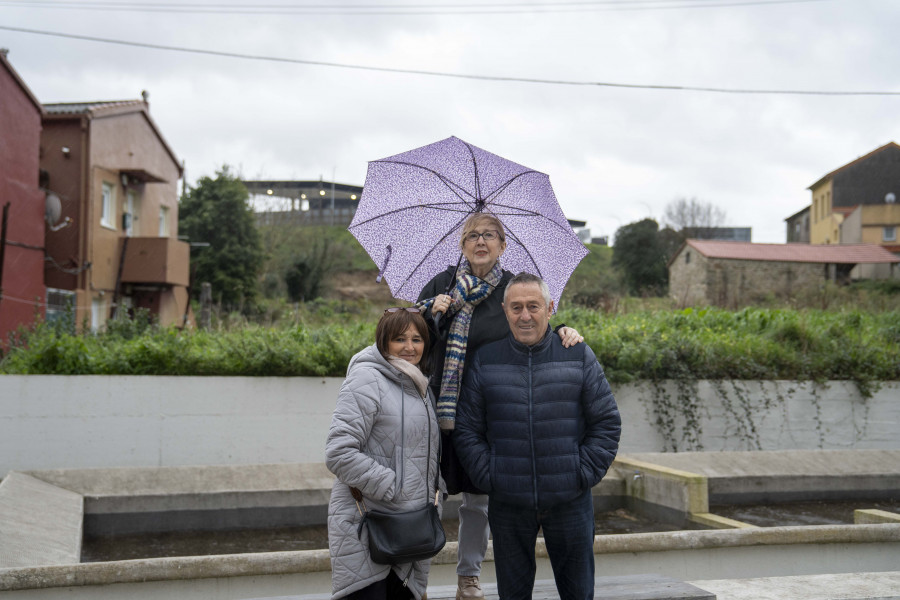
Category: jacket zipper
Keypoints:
(428, 441)
(402, 434)
(427, 478)
(531, 430)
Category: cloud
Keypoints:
(614, 155)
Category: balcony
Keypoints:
(156, 260)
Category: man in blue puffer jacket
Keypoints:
(537, 427)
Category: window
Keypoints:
(163, 221)
(889, 234)
(108, 197)
(687, 257)
(131, 220)
(61, 307)
(98, 314)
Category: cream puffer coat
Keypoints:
(378, 442)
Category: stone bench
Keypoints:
(40, 524)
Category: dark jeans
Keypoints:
(389, 588)
(569, 536)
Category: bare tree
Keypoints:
(692, 218)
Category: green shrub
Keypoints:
(322, 336)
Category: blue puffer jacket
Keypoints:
(536, 425)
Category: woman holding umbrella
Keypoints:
(472, 315)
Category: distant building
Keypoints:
(733, 273)
(304, 202)
(581, 230)
(732, 234)
(603, 240)
(798, 227)
(117, 180)
(858, 202)
(22, 204)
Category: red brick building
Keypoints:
(22, 204)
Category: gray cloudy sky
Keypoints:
(614, 155)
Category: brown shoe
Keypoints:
(468, 587)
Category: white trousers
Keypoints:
(473, 533)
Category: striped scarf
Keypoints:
(468, 292)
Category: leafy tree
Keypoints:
(692, 218)
(595, 282)
(217, 211)
(671, 241)
(639, 253)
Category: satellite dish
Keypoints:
(53, 209)
(890, 198)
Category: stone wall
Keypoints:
(688, 277)
(728, 282)
(57, 422)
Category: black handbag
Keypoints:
(403, 537)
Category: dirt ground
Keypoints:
(358, 285)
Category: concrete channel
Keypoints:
(43, 515)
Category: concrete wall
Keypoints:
(59, 422)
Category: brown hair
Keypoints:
(393, 324)
(477, 220)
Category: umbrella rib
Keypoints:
(509, 182)
(433, 206)
(527, 213)
(478, 198)
(430, 252)
(527, 252)
(450, 184)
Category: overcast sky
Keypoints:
(615, 155)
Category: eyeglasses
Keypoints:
(394, 309)
(489, 236)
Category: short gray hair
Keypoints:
(525, 277)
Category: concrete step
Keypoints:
(40, 524)
(629, 587)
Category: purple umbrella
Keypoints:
(414, 204)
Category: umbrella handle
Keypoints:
(436, 317)
(384, 265)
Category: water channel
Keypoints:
(201, 543)
(801, 513)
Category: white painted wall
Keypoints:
(50, 422)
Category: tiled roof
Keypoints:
(102, 108)
(83, 107)
(806, 208)
(851, 163)
(850, 254)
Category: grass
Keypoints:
(320, 337)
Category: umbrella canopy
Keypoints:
(414, 205)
